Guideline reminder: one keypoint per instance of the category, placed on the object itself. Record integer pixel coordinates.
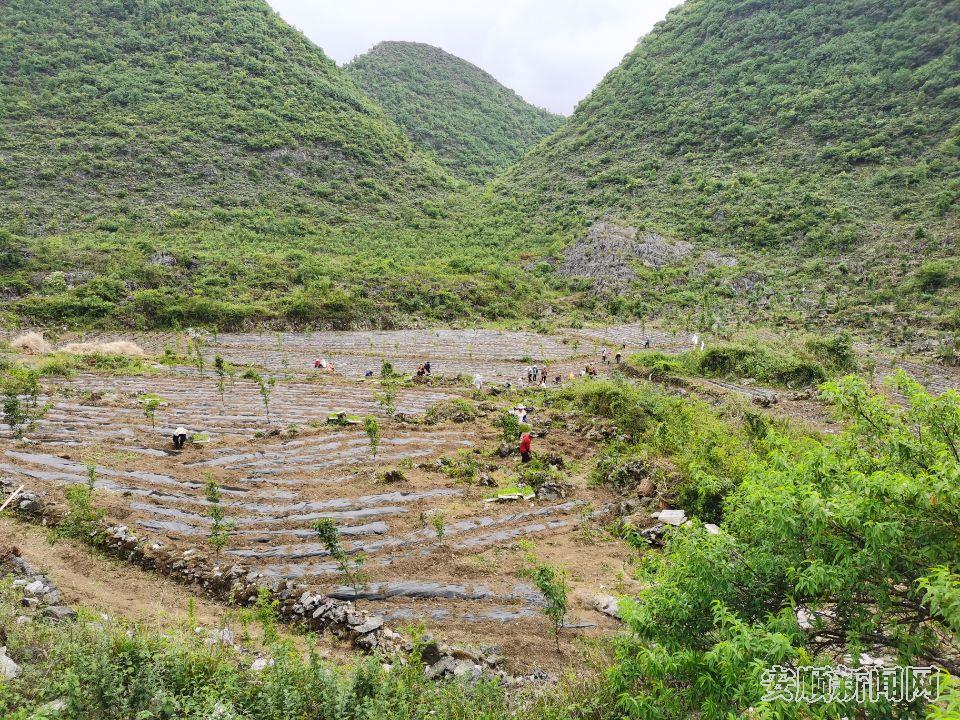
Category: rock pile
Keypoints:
(39, 593)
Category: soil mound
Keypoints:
(31, 343)
(117, 347)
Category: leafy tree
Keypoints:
(219, 527)
(552, 584)
(372, 428)
(149, 404)
(264, 385)
(350, 566)
(20, 388)
(857, 536)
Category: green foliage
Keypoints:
(783, 362)
(387, 397)
(761, 363)
(936, 274)
(219, 527)
(149, 403)
(552, 584)
(264, 385)
(350, 566)
(510, 426)
(789, 134)
(858, 533)
(222, 369)
(455, 409)
(195, 346)
(211, 109)
(451, 109)
(710, 453)
(436, 519)
(372, 428)
(111, 670)
(82, 519)
(20, 389)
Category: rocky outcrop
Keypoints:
(607, 255)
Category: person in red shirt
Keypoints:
(525, 442)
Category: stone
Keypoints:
(671, 517)
(36, 588)
(466, 669)
(370, 625)
(8, 668)
(59, 613)
(52, 597)
(54, 707)
(444, 665)
(711, 528)
(607, 604)
(261, 664)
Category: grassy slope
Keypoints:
(183, 162)
(475, 126)
(120, 114)
(819, 140)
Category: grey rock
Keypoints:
(607, 254)
(36, 588)
(8, 668)
(373, 623)
(444, 665)
(59, 613)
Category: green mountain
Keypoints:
(818, 141)
(472, 124)
(118, 113)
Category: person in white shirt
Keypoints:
(179, 437)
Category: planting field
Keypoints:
(280, 476)
(281, 467)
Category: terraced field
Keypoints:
(279, 477)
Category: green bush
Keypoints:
(859, 533)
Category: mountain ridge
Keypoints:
(473, 124)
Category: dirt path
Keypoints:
(111, 586)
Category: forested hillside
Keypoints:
(471, 123)
(818, 141)
(122, 114)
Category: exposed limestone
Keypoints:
(608, 252)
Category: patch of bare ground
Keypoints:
(102, 584)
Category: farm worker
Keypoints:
(368, 373)
(525, 442)
(604, 356)
(426, 366)
(646, 343)
(529, 373)
(557, 380)
(619, 358)
(477, 382)
(179, 437)
(421, 371)
(694, 339)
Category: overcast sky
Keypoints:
(552, 52)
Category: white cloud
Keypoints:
(552, 52)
